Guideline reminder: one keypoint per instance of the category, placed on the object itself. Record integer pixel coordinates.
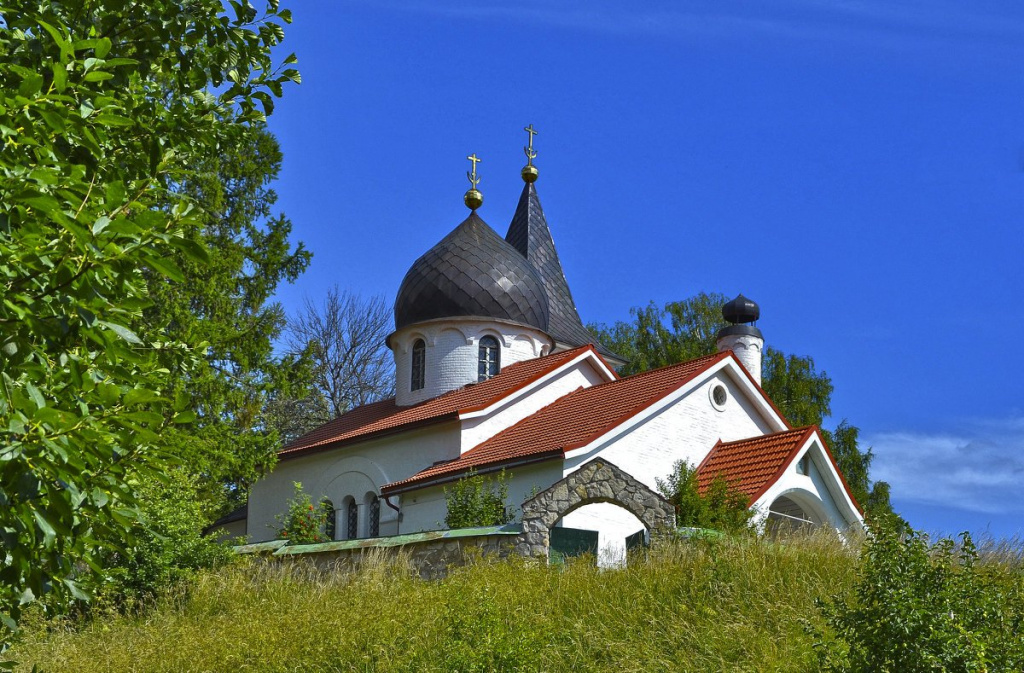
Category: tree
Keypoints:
(721, 507)
(226, 305)
(688, 329)
(344, 341)
(104, 107)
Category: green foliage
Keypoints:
(475, 500)
(104, 107)
(735, 605)
(923, 607)
(224, 302)
(688, 329)
(304, 522)
(166, 546)
(721, 507)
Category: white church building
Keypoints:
(495, 371)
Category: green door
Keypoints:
(569, 542)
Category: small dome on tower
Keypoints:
(741, 310)
(472, 272)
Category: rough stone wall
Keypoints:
(597, 481)
(429, 560)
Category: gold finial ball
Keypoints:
(529, 173)
(473, 199)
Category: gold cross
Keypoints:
(531, 153)
(473, 179)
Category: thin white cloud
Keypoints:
(902, 25)
(979, 467)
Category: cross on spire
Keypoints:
(531, 153)
(473, 179)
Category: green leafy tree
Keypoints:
(304, 522)
(720, 507)
(924, 607)
(687, 329)
(475, 500)
(225, 303)
(104, 108)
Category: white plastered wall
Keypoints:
(685, 427)
(452, 351)
(353, 470)
(425, 508)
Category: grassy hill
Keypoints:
(741, 604)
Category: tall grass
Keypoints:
(728, 605)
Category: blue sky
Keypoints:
(855, 167)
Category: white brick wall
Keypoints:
(748, 350)
(453, 350)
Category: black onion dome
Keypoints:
(472, 272)
(741, 310)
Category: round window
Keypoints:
(719, 396)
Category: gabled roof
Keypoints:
(530, 235)
(752, 465)
(568, 423)
(384, 417)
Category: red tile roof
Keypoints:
(570, 422)
(384, 417)
(752, 465)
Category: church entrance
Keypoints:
(598, 507)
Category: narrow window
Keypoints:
(329, 526)
(373, 523)
(352, 520)
(419, 364)
(490, 358)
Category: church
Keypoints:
(495, 372)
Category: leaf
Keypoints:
(121, 331)
(140, 396)
(166, 267)
(108, 119)
(49, 534)
(60, 76)
(36, 396)
(100, 224)
(97, 76)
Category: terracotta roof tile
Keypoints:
(385, 416)
(570, 422)
(752, 465)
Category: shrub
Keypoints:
(166, 546)
(721, 507)
(475, 500)
(305, 523)
(923, 607)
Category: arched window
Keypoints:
(419, 364)
(329, 526)
(351, 519)
(490, 358)
(373, 517)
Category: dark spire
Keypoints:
(529, 234)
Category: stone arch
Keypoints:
(595, 481)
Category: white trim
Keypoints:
(595, 361)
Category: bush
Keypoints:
(477, 501)
(721, 507)
(166, 547)
(923, 607)
(305, 523)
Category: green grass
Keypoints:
(707, 606)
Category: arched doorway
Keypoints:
(794, 512)
(609, 531)
(595, 482)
